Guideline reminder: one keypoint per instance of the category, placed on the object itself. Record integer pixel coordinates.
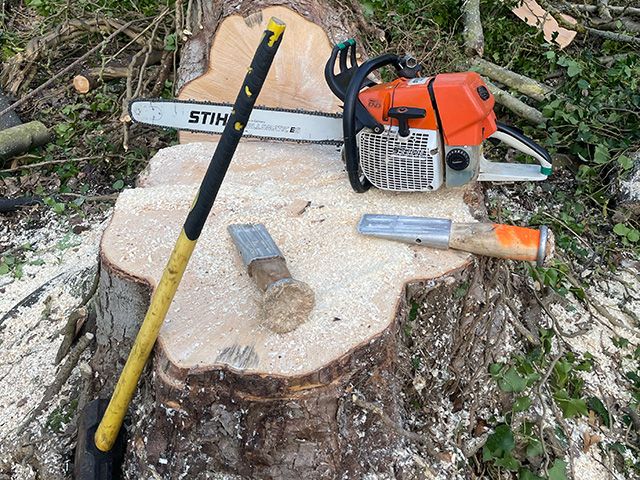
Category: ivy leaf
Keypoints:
(601, 155)
(534, 448)
(526, 474)
(521, 404)
(558, 470)
(574, 68)
(621, 229)
(509, 463)
(499, 443)
(625, 162)
(571, 407)
(512, 381)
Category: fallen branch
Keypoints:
(22, 138)
(581, 28)
(518, 107)
(525, 85)
(91, 78)
(69, 67)
(473, 35)
(594, 8)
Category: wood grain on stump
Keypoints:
(296, 79)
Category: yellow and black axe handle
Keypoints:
(114, 415)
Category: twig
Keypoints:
(61, 377)
(69, 67)
(49, 162)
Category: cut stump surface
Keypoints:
(214, 320)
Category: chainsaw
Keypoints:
(412, 134)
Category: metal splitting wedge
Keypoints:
(95, 454)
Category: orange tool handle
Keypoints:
(502, 241)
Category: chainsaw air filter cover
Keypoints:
(407, 164)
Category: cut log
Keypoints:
(21, 138)
(296, 79)
(225, 394)
(89, 79)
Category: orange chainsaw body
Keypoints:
(463, 103)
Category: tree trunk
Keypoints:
(213, 61)
(225, 394)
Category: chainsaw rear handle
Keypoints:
(515, 138)
(111, 423)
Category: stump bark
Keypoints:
(224, 394)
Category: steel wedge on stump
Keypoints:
(96, 456)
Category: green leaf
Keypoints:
(574, 68)
(170, 42)
(508, 462)
(625, 162)
(583, 84)
(598, 407)
(571, 407)
(526, 474)
(118, 184)
(521, 404)
(601, 155)
(558, 471)
(495, 368)
(534, 448)
(633, 235)
(499, 443)
(4, 268)
(621, 229)
(512, 381)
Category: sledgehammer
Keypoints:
(490, 239)
(94, 452)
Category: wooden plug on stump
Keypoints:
(287, 302)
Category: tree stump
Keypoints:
(224, 393)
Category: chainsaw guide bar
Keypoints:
(277, 124)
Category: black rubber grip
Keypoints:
(231, 135)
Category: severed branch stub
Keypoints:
(287, 302)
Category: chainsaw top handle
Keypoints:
(356, 116)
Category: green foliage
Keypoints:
(61, 416)
(526, 375)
